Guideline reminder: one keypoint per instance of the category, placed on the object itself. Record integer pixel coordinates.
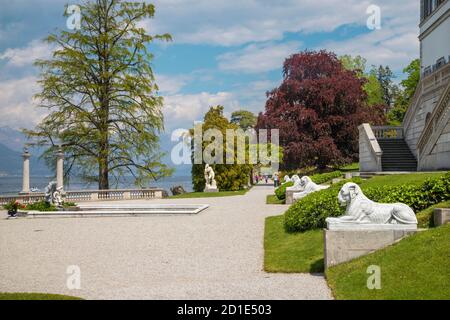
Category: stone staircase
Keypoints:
(396, 155)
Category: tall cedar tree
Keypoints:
(100, 90)
(318, 108)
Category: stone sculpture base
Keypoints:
(290, 196)
(211, 189)
(441, 216)
(345, 243)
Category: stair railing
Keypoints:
(438, 119)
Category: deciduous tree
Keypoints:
(317, 109)
(101, 93)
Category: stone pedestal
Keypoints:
(290, 196)
(344, 243)
(211, 189)
(441, 216)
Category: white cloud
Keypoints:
(20, 57)
(169, 84)
(184, 109)
(257, 58)
(18, 108)
(396, 44)
(227, 23)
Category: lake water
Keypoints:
(13, 184)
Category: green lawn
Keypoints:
(272, 199)
(425, 217)
(34, 296)
(209, 194)
(350, 167)
(287, 252)
(400, 179)
(417, 267)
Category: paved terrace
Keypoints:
(217, 254)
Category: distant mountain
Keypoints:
(11, 163)
(12, 138)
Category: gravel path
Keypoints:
(217, 254)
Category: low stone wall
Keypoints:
(369, 150)
(90, 195)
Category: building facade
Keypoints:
(423, 141)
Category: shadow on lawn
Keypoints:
(317, 266)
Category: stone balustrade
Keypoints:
(90, 195)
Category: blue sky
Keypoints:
(223, 52)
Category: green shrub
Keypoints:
(325, 177)
(41, 206)
(280, 192)
(311, 211)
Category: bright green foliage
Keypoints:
(372, 87)
(244, 119)
(41, 206)
(320, 178)
(416, 268)
(404, 98)
(229, 177)
(101, 93)
(280, 192)
(311, 211)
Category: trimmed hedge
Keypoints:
(280, 192)
(311, 211)
(325, 177)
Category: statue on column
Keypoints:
(210, 182)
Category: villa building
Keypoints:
(422, 143)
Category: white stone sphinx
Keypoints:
(308, 187)
(362, 213)
(286, 179)
(210, 182)
(297, 184)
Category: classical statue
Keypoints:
(53, 195)
(362, 210)
(209, 178)
(297, 184)
(308, 187)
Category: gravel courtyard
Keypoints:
(217, 254)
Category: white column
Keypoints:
(60, 168)
(26, 172)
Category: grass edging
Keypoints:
(291, 253)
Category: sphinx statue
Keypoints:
(297, 184)
(286, 179)
(308, 186)
(362, 210)
(210, 182)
